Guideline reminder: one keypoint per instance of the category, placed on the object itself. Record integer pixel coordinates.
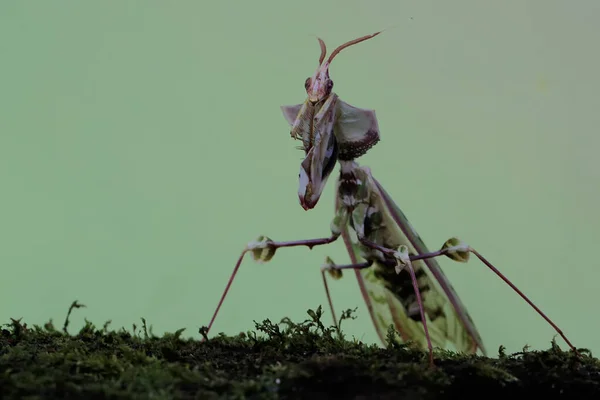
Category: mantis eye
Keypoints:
(307, 83)
(329, 86)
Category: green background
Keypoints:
(142, 146)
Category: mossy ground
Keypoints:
(285, 360)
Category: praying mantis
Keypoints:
(399, 278)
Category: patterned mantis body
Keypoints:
(399, 278)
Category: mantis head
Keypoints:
(320, 144)
(319, 86)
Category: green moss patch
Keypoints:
(275, 360)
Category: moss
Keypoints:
(284, 360)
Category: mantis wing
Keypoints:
(448, 320)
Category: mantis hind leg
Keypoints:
(335, 271)
(459, 251)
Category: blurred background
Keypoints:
(142, 146)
